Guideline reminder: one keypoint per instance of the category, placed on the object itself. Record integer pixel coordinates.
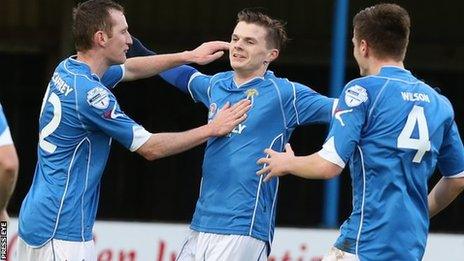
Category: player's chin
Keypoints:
(236, 65)
(120, 60)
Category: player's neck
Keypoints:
(96, 63)
(376, 65)
(241, 77)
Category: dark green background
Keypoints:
(35, 36)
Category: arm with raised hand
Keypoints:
(147, 66)
(178, 76)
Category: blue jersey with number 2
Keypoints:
(79, 118)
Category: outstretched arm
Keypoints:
(161, 145)
(147, 66)
(178, 76)
(444, 192)
(310, 167)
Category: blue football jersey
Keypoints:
(393, 129)
(5, 136)
(79, 118)
(233, 199)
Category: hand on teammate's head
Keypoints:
(208, 52)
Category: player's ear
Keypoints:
(363, 48)
(100, 38)
(272, 55)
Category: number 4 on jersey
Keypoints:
(422, 145)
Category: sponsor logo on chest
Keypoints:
(239, 128)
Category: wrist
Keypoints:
(210, 129)
(290, 164)
(187, 56)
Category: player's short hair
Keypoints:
(90, 17)
(385, 27)
(276, 35)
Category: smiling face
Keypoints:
(119, 41)
(249, 51)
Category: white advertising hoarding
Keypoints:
(127, 241)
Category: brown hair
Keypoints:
(276, 34)
(385, 27)
(90, 17)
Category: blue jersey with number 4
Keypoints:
(79, 118)
(394, 130)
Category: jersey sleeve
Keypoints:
(113, 76)
(451, 155)
(101, 110)
(5, 136)
(199, 88)
(346, 126)
(177, 76)
(308, 106)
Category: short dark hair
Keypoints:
(276, 35)
(90, 17)
(386, 28)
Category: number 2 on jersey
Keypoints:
(422, 144)
(52, 125)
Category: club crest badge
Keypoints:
(250, 93)
(355, 95)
